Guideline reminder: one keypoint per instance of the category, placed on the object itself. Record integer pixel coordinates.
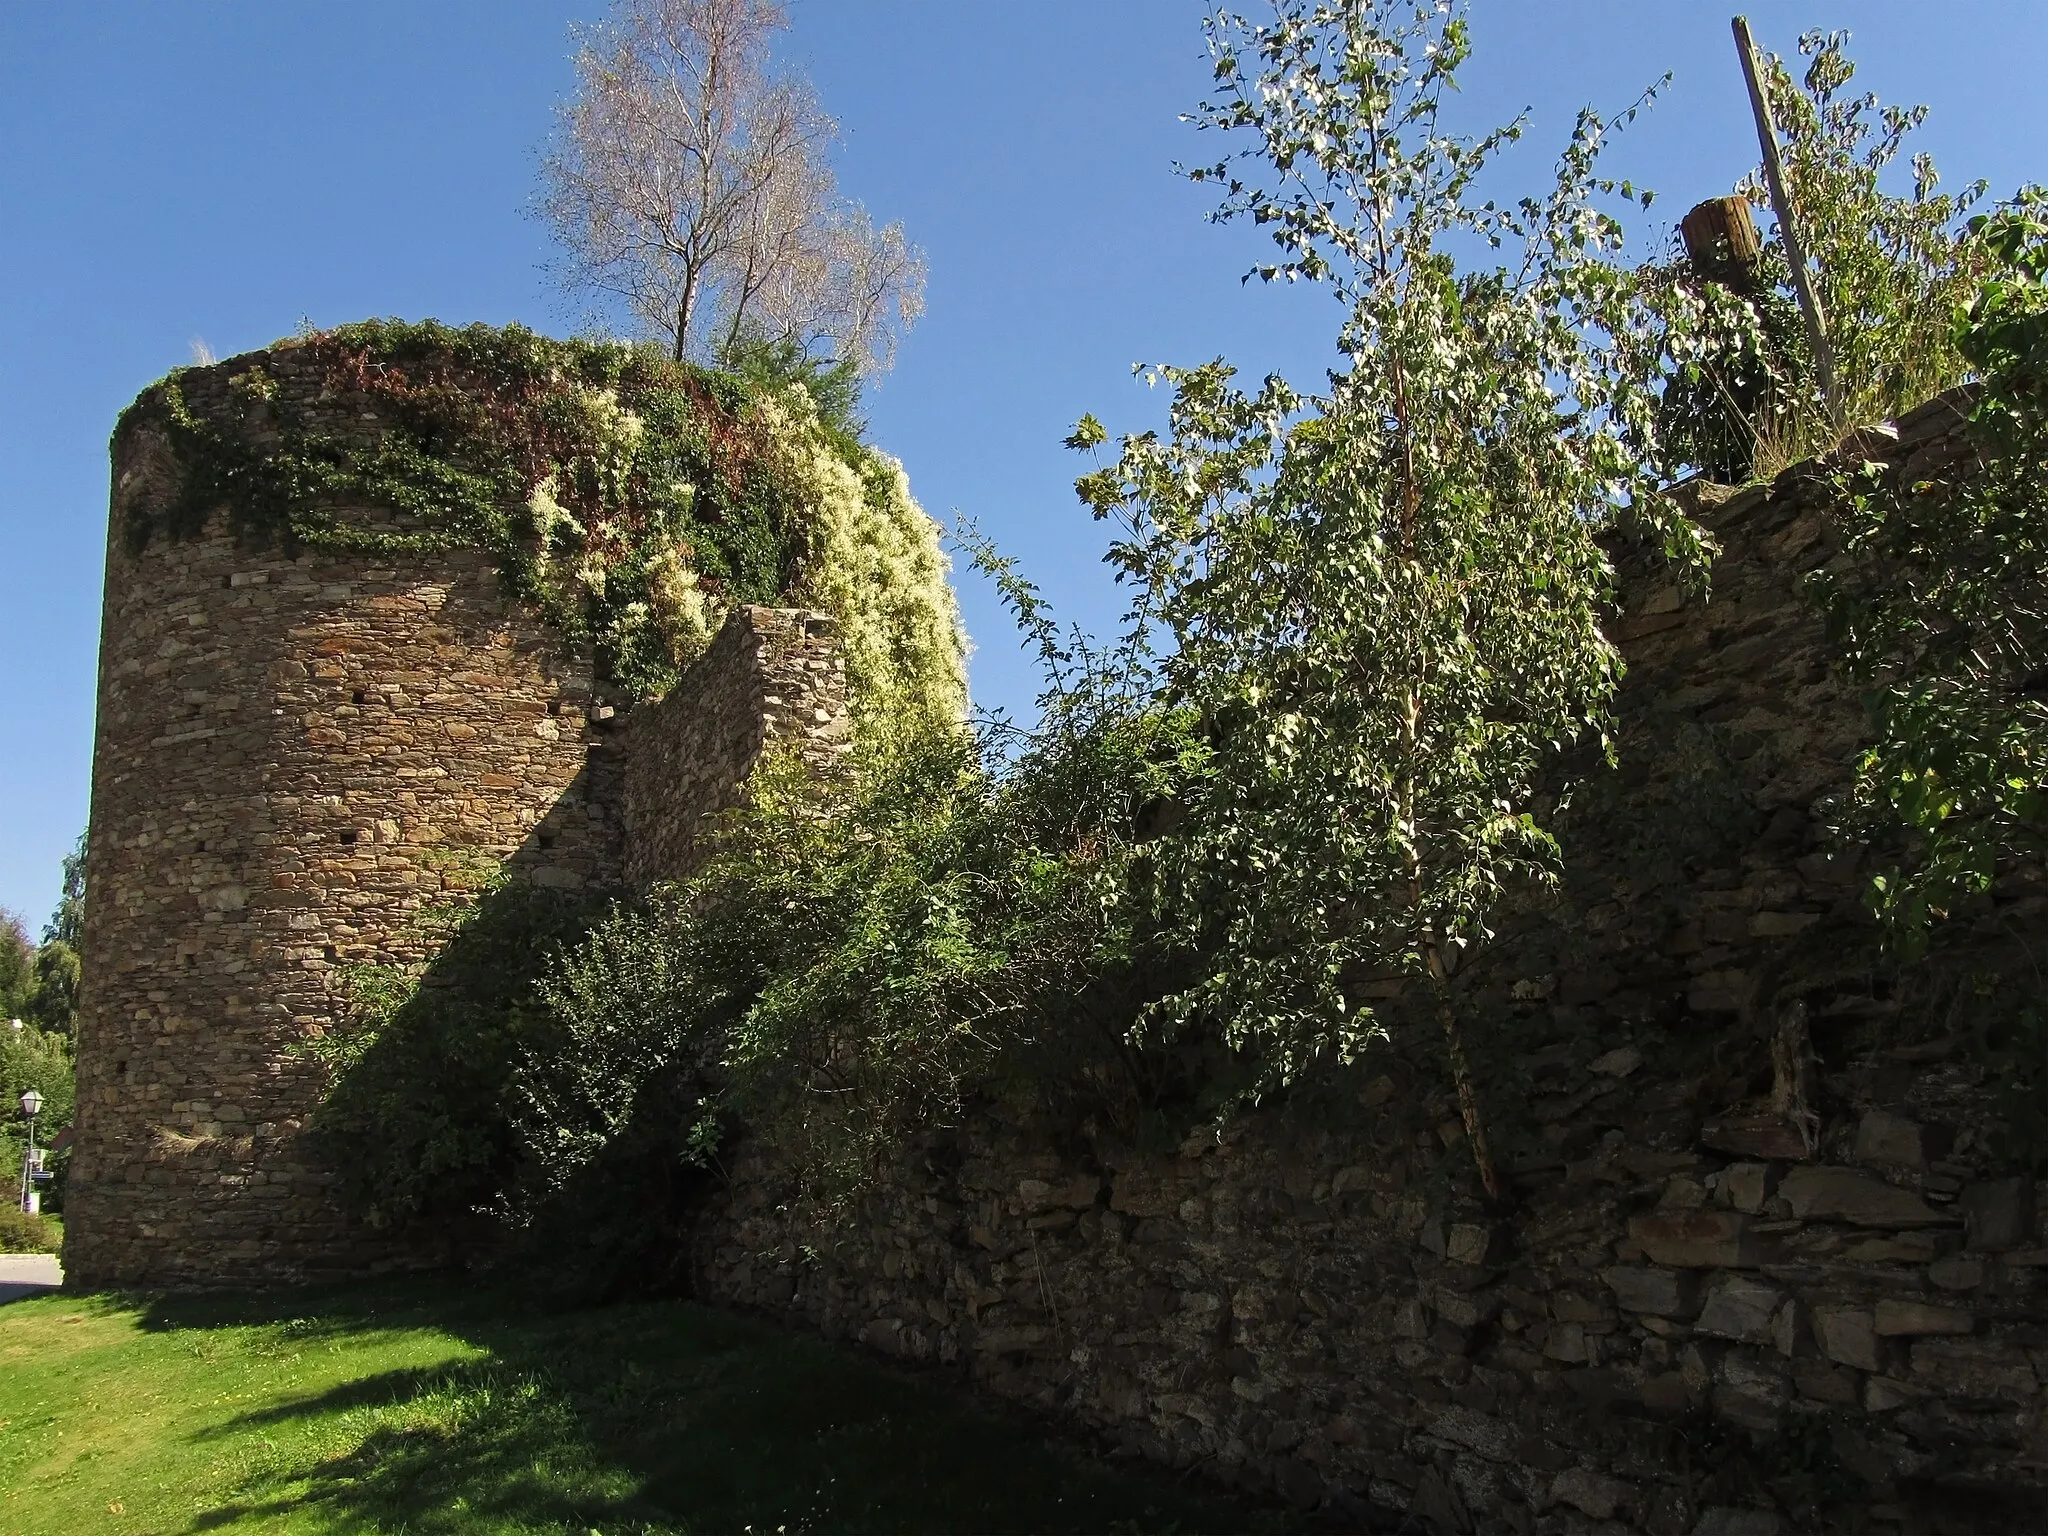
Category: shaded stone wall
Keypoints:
(296, 754)
(1771, 1263)
(772, 676)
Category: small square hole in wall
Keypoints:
(359, 697)
(200, 846)
(120, 1069)
(348, 838)
(545, 839)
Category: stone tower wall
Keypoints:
(773, 677)
(297, 753)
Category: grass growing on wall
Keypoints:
(437, 1410)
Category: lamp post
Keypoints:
(31, 1106)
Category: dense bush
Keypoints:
(23, 1233)
(418, 1120)
(1891, 264)
(858, 957)
(1936, 609)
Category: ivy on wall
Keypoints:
(627, 499)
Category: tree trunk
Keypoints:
(1461, 1074)
(687, 303)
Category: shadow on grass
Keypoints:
(645, 1419)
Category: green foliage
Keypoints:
(1742, 398)
(852, 964)
(52, 1002)
(776, 363)
(1890, 270)
(39, 983)
(630, 500)
(67, 923)
(38, 1059)
(1381, 603)
(418, 1121)
(1937, 608)
(1739, 392)
(17, 967)
(21, 1232)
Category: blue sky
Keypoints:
(219, 169)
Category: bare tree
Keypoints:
(691, 183)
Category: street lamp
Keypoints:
(31, 1198)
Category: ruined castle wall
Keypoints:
(772, 677)
(297, 754)
(1714, 1307)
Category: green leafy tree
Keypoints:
(17, 967)
(67, 923)
(49, 999)
(38, 1059)
(1938, 607)
(52, 1003)
(1891, 270)
(1381, 603)
(1891, 264)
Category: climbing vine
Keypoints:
(629, 500)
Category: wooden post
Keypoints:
(1721, 240)
(1781, 205)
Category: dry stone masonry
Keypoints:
(1769, 1267)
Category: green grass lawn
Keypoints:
(428, 1407)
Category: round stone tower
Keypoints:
(297, 754)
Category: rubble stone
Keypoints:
(1843, 1194)
(1896, 1319)
(1847, 1335)
(1740, 1308)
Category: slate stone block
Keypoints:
(1764, 1136)
(1846, 1194)
(1656, 1292)
(1740, 1308)
(1895, 1142)
(1900, 1319)
(1975, 1370)
(1847, 1336)
(1591, 1494)
(1696, 1239)
(1745, 1186)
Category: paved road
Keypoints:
(28, 1274)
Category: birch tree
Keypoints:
(1382, 602)
(690, 181)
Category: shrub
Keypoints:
(1936, 607)
(1891, 269)
(22, 1233)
